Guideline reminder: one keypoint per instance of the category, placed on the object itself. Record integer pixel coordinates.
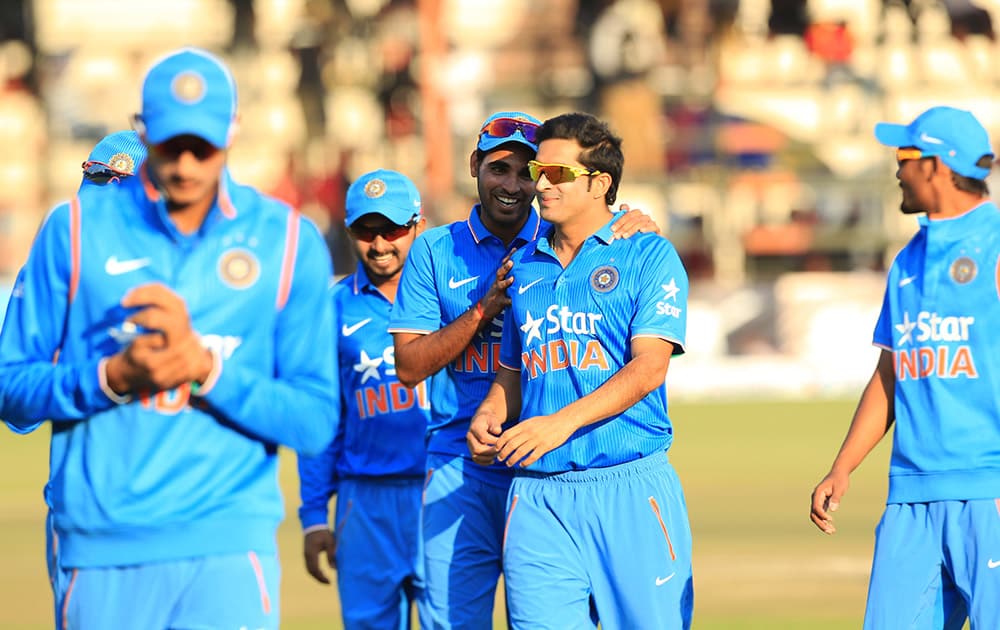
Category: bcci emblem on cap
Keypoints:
(188, 87)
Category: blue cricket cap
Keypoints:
(120, 152)
(954, 135)
(189, 92)
(123, 151)
(504, 127)
(384, 192)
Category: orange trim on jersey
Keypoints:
(663, 526)
(225, 201)
(506, 525)
(998, 276)
(288, 263)
(427, 482)
(74, 247)
(997, 501)
(258, 571)
(65, 607)
(152, 193)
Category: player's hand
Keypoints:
(481, 439)
(525, 442)
(496, 299)
(633, 221)
(317, 543)
(826, 499)
(169, 356)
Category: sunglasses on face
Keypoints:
(101, 173)
(176, 147)
(506, 127)
(904, 154)
(390, 231)
(557, 173)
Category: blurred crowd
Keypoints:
(746, 123)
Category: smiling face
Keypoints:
(578, 201)
(505, 189)
(382, 246)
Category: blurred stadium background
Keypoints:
(747, 128)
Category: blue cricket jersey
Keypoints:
(449, 269)
(172, 474)
(569, 330)
(382, 423)
(940, 319)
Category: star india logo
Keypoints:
(375, 189)
(188, 87)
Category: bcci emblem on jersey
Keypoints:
(963, 270)
(604, 279)
(239, 268)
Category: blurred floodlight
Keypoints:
(482, 23)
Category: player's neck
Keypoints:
(189, 217)
(386, 286)
(569, 235)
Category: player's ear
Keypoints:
(421, 224)
(474, 164)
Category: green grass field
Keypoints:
(747, 468)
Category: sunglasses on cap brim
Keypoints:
(507, 127)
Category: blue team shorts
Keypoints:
(462, 529)
(226, 591)
(605, 544)
(379, 557)
(935, 564)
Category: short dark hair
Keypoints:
(601, 150)
(972, 185)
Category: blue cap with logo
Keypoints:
(504, 127)
(118, 154)
(123, 151)
(384, 192)
(954, 135)
(189, 92)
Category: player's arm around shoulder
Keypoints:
(422, 345)
(297, 403)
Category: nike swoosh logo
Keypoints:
(347, 331)
(524, 287)
(116, 267)
(930, 139)
(454, 284)
(661, 581)
(907, 280)
(991, 564)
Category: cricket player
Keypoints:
(168, 327)
(937, 547)
(448, 316)
(375, 466)
(597, 527)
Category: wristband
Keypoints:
(479, 309)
